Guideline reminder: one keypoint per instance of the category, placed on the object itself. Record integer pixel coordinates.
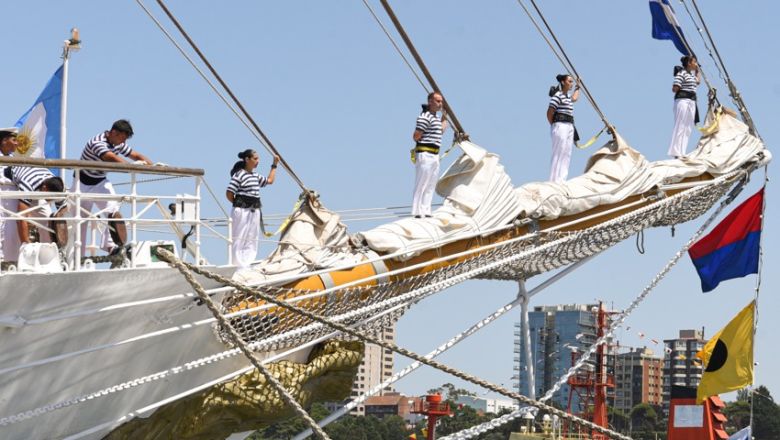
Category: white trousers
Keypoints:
(107, 207)
(246, 235)
(426, 168)
(562, 134)
(684, 115)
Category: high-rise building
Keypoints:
(556, 332)
(681, 367)
(377, 366)
(638, 379)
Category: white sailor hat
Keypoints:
(11, 130)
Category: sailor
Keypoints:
(8, 144)
(686, 78)
(107, 146)
(560, 115)
(243, 192)
(427, 134)
(34, 179)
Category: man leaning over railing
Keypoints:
(107, 147)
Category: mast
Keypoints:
(72, 44)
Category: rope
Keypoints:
(203, 75)
(227, 89)
(286, 221)
(171, 259)
(239, 342)
(568, 61)
(158, 179)
(735, 95)
(621, 317)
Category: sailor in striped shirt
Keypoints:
(8, 244)
(686, 79)
(107, 147)
(243, 192)
(34, 179)
(427, 134)
(560, 115)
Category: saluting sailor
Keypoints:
(243, 192)
(686, 78)
(8, 144)
(560, 115)
(107, 147)
(427, 134)
(32, 179)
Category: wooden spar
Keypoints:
(459, 131)
(100, 166)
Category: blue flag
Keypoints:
(39, 127)
(665, 25)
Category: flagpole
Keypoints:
(72, 44)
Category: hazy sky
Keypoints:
(325, 84)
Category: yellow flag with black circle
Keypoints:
(728, 357)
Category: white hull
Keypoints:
(34, 296)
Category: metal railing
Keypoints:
(140, 205)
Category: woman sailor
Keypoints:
(686, 79)
(428, 131)
(243, 192)
(560, 115)
(8, 144)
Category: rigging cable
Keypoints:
(736, 97)
(224, 85)
(570, 64)
(460, 133)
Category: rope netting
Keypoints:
(519, 258)
(269, 327)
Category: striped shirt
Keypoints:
(686, 81)
(430, 126)
(561, 103)
(247, 184)
(29, 178)
(97, 147)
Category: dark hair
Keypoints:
(242, 163)
(560, 78)
(435, 92)
(123, 126)
(686, 59)
(54, 184)
(6, 134)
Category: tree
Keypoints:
(738, 415)
(766, 415)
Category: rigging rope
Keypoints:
(568, 62)
(621, 317)
(735, 95)
(232, 95)
(460, 133)
(239, 342)
(170, 258)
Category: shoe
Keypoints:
(417, 216)
(428, 216)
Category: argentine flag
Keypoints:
(665, 25)
(39, 127)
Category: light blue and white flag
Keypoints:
(742, 434)
(39, 127)
(665, 25)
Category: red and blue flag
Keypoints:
(731, 249)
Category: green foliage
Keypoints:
(766, 415)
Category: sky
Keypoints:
(324, 83)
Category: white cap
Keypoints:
(12, 130)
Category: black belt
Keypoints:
(569, 119)
(426, 148)
(88, 180)
(685, 94)
(246, 202)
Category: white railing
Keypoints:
(143, 214)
